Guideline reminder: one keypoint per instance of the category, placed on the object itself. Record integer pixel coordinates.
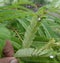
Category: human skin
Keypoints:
(8, 52)
(8, 60)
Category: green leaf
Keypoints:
(26, 52)
(30, 32)
(2, 44)
(4, 33)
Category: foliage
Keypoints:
(35, 36)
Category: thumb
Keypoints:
(8, 60)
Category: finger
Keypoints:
(8, 49)
(8, 60)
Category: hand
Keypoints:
(8, 52)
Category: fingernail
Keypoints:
(14, 61)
